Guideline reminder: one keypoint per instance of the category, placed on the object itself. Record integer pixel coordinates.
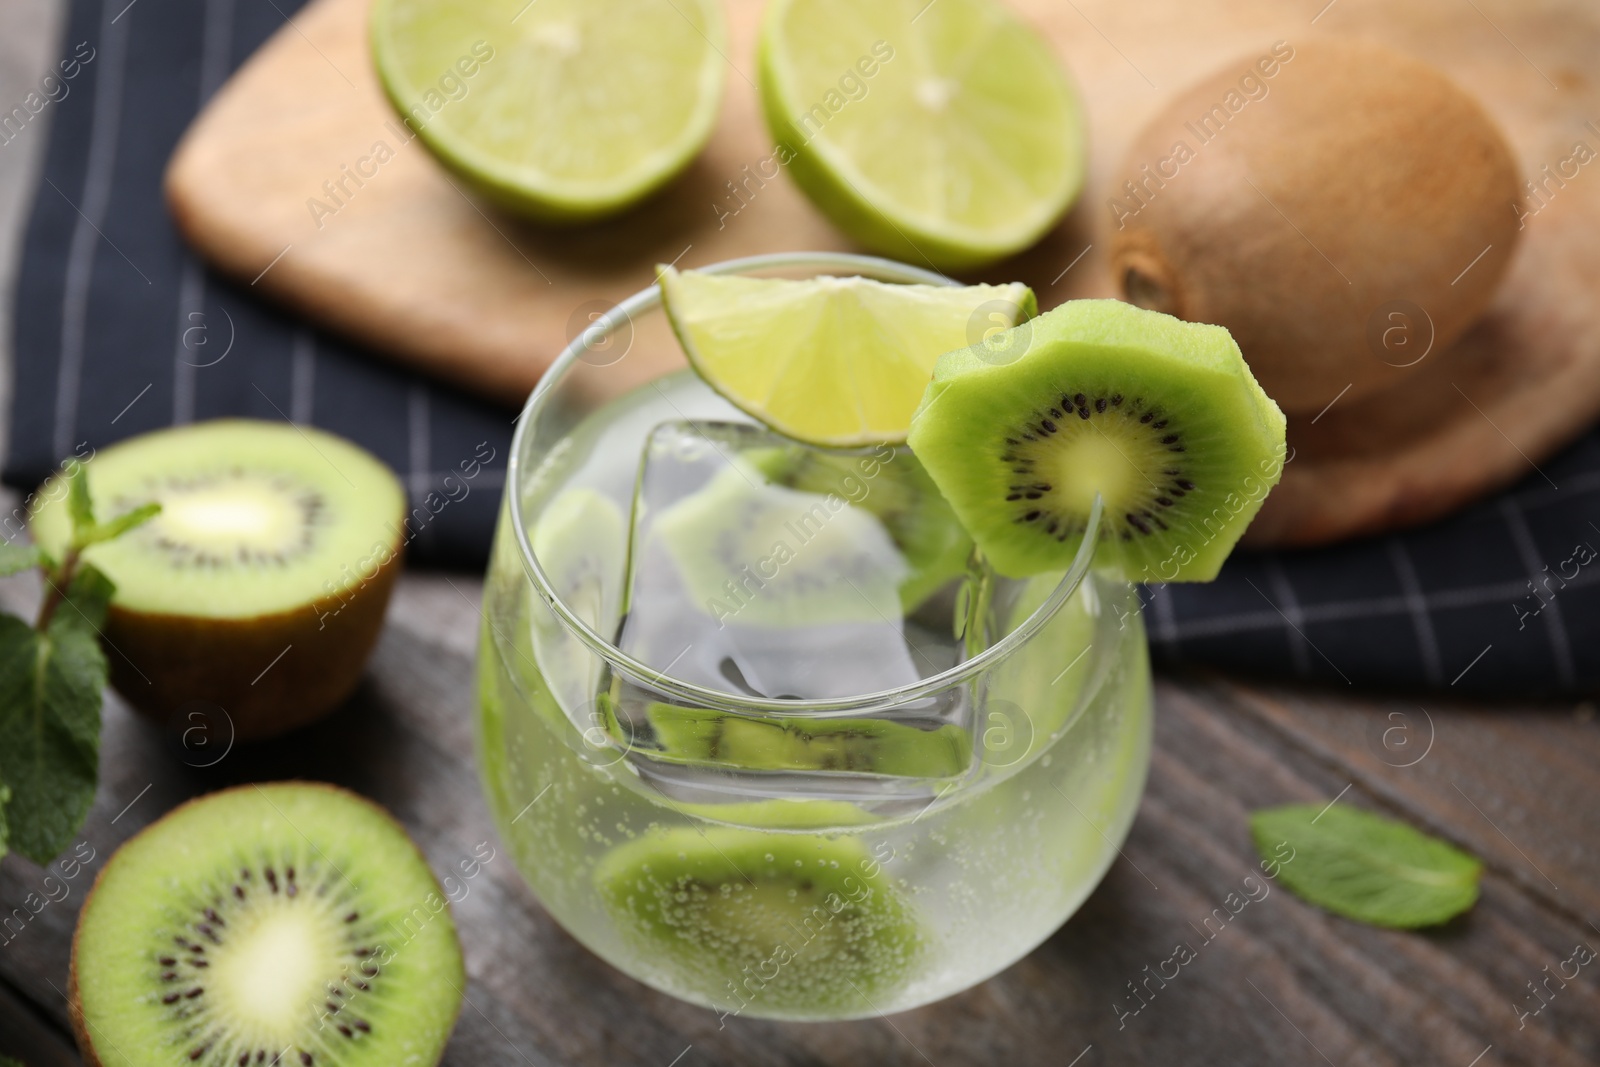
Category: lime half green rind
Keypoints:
(979, 395)
(154, 890)
(834, 362)
(945, 133)
(564, 111)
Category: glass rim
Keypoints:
(716, 699)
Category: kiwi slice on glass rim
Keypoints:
(261, 586)
(796, 924)
(1160, 417)
(291, 923)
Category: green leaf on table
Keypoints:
(50, 691)
(1366, 867)
(79, 506)
(15, 558)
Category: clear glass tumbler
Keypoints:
(868, 846)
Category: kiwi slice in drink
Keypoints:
(1160, 417)
(793, 925)
(262, 584)
(893, 485)
(791, 743)
(290, 923)
(581, 543)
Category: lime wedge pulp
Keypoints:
(945, 133)
(563, 110)
(836, 362)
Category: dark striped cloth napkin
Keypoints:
(120, 329)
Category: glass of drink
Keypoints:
(757, 724)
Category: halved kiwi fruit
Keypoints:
(801, 925)
(289, 923)
(1160, 417)
(792, 743)
(262, 584)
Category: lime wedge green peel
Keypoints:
(945, 133)
(836, 362)
(562, 110)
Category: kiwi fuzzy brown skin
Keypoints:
(75, 1015)
(1376, 179)
(162, 663)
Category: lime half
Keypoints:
(829, 361)
(946, 133)
(563, 110)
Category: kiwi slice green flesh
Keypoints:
(795, 924)
(899, 492)
(789, 743)
(288, 923)
(272, 539)
(1160, 417)
(581, 542)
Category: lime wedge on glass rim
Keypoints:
(835, 362)
(562, 110)
(945, 132)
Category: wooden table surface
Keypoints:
(1282, 983)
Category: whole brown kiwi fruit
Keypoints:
(1313, 199)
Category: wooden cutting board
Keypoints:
(414, 267)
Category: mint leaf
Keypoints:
(14, 558)
(121, 524)
(79, 505)
(50, 686)
(1366, 867)
(5, 796)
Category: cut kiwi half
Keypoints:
(1159, 417)
(792, 743)
(262, 584)
(289, 923)
(798, 925)
(893, 486)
